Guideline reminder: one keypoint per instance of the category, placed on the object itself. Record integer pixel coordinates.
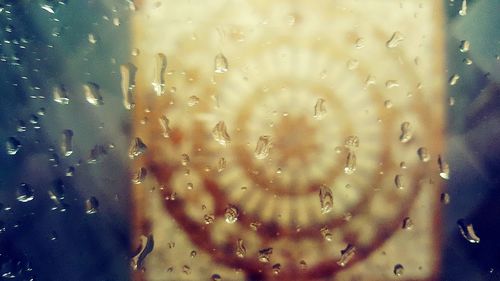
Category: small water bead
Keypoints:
(92, 38)
(193, 100)
(91, 205)
(220, 64)
(263, 147)
(220, 134)
(467, 61)
(185, 160)
(454, 79)
(319, 109)
(326, 233)
(231, 214)
(303, 264)
(276, 268)
(21, 126)
(60, 94)
(388, 104)
(209, 219)
(463, 9)
(216, 277)
(92, 95)
(135, 52)
(186, 270)
(464, 46)
(467, 231)
(241, 251)
(189, 186)
(221, 164)
(407, 223)
(396, 38)
(140, 176)
(159, 74)
(360, 43)
(25, 193)
(127, 73)
(193, 254)
(70, 171)
(398, 269)
(406, 132)
(67, 142)
(444, 168)
(164, 124)
(137, 148)
(346, 255)
(325, 199)
(400, 181)
(423, 154)
(350, 165)
(146, 247)
(351, 142)
(264, 255)
(389, 84)
(12, 145)
(445, 198)
(352, 64)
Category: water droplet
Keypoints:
(406, 132)
(220, 63)
(12, 145)
(136, 52)
(219, 133)
(276, 268)
(265, 255)
(407, 223)
(467, 61)
(463, 9)
(325, 199)
(444, 168)
(352, 64)
(140, 176)
(185, 159)
(221, 164)
(91, 205)
(360, 43)
(231, 214)
(70, 171)
(326, 233)
(209, 219)
(395, 40)
(398, 269)
(319, 109)
(467, 231)
(159, 74)
(137, 147)
(164, 124)
(145, 248)
(464, 46)
(216, 277)
(186, 270)
(389, 84)
(67, 142)
(193, 254)
(127, 72)
(21, 126)
(60, 94)
(24, 193)
(388, 104)
(445, 198)
(352, 142)
(399, 181)
(193, 100)
(241, 251)
(346, 255)
(453, 79)
(92, 38)
(48, 8)
(263, 147)
(303, 264)
(423, 154)
(350, 165)
(92, 95)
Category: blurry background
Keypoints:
(65, 44)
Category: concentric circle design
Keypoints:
(277, 71)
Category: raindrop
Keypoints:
(231, 214)
(137, 147)
(388, 104)
(303, 264)
(467, 61)
(216, 277)
(319, 109)
(186, 270)
(220, 63)
(453, 79)
(60, 94)
(185, 159)
(350, 165)
(276, 268)
(346, 255)
(221, 164)
(241, 251)
(265, 255)
(92, 38)
(464, 46)
(325, 199)
(140, 176)
(398, 269)
(406, 132)
(92, 95)
(24, 193)
(209, 219)
(326, 233)
(47, 8)
(445, 198)
(127, 72)
(193, 254)
(407, 223)
(352, 142)
(91, 205)
(219, 133)
(67, 142)
(146, 247)
(395, 40)
(423, 154)
(12, 145)
(463, 9)
(467, 231)
(399, 181)
(21, 126)
(159, 74)
(444, 168)
(263, 147)
(136, 52)
(164, 123)
(193, 100)
(70, 171)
